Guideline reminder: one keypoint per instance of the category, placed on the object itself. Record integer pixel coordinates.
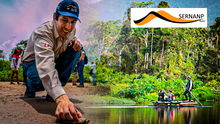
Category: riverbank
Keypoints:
(15, 108)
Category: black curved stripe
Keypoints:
(140, 20)
(159, 16)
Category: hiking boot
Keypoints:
(74, 84)
(93, 84)
(29, 95)
(80, 85)
(49, 98)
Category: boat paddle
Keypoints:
(193, 95)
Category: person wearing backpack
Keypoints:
(189, 87)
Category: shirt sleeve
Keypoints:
(44, 57)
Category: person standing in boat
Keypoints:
(188, 90)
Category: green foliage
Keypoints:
(163, 4)
(144, 88)
(19, 46)
(95, 99)
(5, 74)
(85, 72)
(213, 83)
(5, 65)
(204, 93)
(142, 4)
(2, 56)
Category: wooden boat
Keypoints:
(175, 103)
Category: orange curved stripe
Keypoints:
(147, 19)
(172, 18)
(165, 15)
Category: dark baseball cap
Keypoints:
(68, 8)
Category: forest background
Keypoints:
(137, 62)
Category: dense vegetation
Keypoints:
(137, 62)
(166, 56)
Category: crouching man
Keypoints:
(50, 57)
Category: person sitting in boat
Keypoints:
(188, 90)
(162, 95)
(171, 96)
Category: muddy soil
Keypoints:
(16, 109)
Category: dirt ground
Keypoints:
(16, 109)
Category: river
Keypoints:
(144, 114)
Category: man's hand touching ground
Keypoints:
(66, 109)
(76, 45)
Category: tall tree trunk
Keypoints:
(208, 42)
(187, 46)
(100, 54)
(198, 56)
(161, 60)
(151, 51)
(120, 56)
(217, 62)
(99, 50)
(198, 63)
(137, 51)
(188, 53)
(146, 54)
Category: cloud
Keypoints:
(21, 18)
(93, 1)
(8, 45)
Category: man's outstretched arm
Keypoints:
(66, 109)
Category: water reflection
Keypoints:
(210, 114)
(167, 114)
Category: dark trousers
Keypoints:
(185, 94)
(94, 81)
(24, 78)
(65, 64)
(80, 67)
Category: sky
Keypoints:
(20, 17)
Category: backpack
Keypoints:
(86, 59)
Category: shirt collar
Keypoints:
(56, 35)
